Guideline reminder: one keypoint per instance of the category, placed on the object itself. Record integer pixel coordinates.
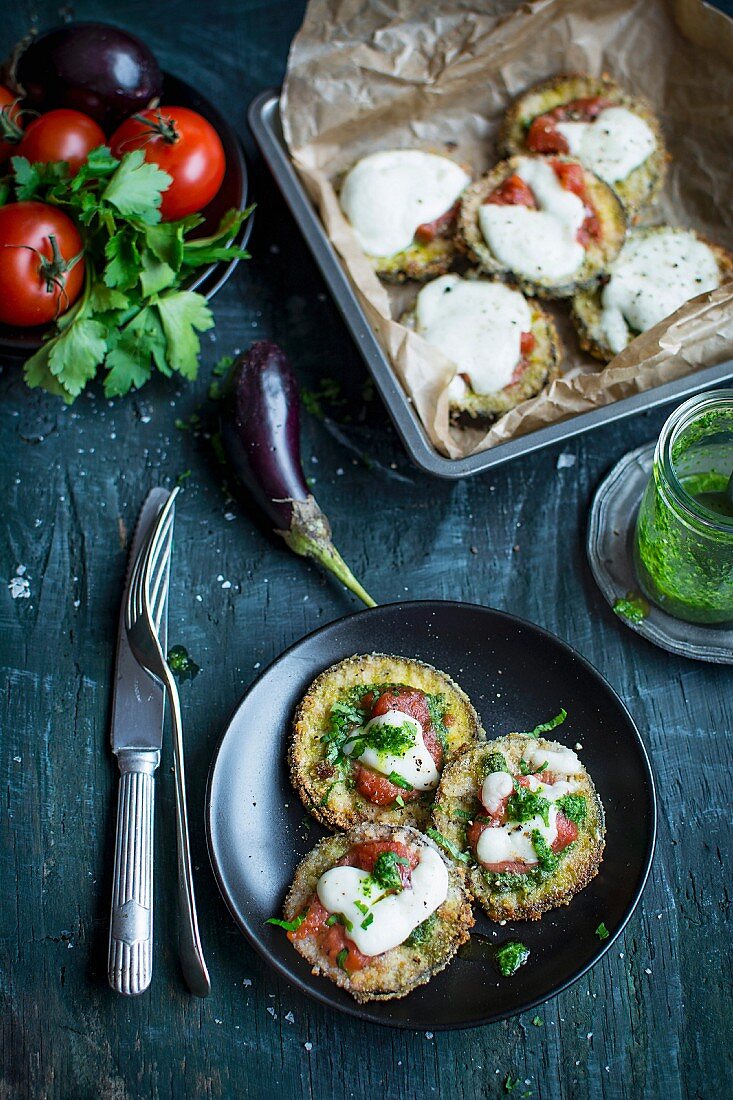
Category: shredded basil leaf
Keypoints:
(367, 920)
(288, 925)
(448, 845)
(397, 779)
(602, 932)
(342, 957)
(545, 727)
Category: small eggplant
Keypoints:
(260, 431)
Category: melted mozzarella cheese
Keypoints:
(542, 243)
(652, 277)
(394, 916)
(476, 324)
(512, 842)
(612, 145)
(495, 789)
(416, 766)
(387, 195)
(559, 762)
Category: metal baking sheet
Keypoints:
(264, 120)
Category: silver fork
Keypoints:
(142, 634)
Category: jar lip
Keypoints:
(682, 418)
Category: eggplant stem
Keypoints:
(310, 536)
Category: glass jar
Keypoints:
(683, 545)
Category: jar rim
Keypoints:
(682, 417)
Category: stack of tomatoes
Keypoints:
(41, 249)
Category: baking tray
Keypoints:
(264, 120)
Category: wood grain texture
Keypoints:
(652, 1020)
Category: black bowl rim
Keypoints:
(356, 1010)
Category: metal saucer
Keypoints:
(609, 545)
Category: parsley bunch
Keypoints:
(135, 313)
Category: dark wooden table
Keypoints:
(653, 1019)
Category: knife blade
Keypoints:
(136, 735)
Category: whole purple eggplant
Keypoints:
(260, 430)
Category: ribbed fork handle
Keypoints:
(130, 959)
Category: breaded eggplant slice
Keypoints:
(328, 788)
(599, 254)
(524, 895)
(428, 949)
(422, 235)
(535, 370)
(588, 305)
(642, 184)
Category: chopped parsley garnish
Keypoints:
(363, 909)
(546, 858)
(495, 762)
(444, 842)
(386, 870)
(510, 1083)
(342, 957)
(181, 665)
(423, 932)
(396, 778)
(344, 719)
(367, 920)
(510, 956)
(288, 925)
(384, 739)
(524, 804)
(602, 932)
(537, 1021)
(574, 807)
(545, 727)
(527, 769)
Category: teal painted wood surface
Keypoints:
(651, 1020)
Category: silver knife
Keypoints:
(138, 711)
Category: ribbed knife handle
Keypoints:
(130, 959)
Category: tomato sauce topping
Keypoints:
(543, 135)
(515, 192)
(441, 227)
(567, 832)
(512, 192)
(332, 939)
(374, 786)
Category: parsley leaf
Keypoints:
(135, 188)
(181, 665)
(183, 314)
(342, 957)
(602, 932)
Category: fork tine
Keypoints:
(139, 580)
(158, 582)
(156, 561)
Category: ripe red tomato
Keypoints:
(185, 146)
(61, 135)
(39, 279)
(9, 124)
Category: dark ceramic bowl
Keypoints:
(233, 193)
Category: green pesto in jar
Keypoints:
(683, 550)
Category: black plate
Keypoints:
(233, 194)
(516, 675)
